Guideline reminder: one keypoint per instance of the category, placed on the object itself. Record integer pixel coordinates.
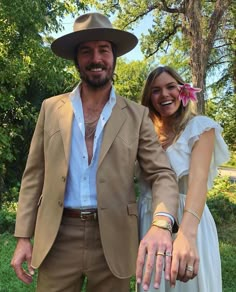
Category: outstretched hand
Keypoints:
(154, 254)
(185, 260)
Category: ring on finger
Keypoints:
(168, 254)
(160, 253)
(189, 268)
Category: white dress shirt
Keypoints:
(81, 180)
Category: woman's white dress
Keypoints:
(209, 276)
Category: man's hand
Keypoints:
(23, 253)
(155, 249)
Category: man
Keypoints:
(77, 197)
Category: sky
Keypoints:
(135, 54)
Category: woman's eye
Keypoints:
(155, 91)
(172, 87)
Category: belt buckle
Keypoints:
(83, 215)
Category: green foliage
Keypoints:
(130, 78)
(223, 208)
(8, 218)
(228, 261)
(9, 282)
(29, 72)
(222, 204)
(223, 111)
(232, 161)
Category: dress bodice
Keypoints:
(179, 153)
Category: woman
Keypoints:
(195, 148)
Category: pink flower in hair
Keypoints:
(187, 93)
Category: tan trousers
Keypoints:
(77, 253)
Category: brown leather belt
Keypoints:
(83, 214)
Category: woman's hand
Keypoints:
(185, 259)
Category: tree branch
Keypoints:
(137, 17)
(223, 45)
(217, 63)
(161, 5)
(171, 10)
(220, 8)
(163, 40)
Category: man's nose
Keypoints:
(96, 56)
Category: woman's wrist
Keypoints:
(188, 227)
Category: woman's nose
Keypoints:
(164, 92)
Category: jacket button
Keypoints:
(60, 203)
(63, 178)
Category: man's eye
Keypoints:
(105, 51)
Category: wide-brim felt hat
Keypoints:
(93, 27)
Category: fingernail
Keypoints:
(138, 280)
(156, 286)
(145, 287)
(31, 273)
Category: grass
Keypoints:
(8, 280)
(222, 203)
(232, 161)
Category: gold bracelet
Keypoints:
(162, 224)
(193, 213)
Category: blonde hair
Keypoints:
(183, 114)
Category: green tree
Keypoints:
(28, 73)
(223, 111)
(130, 77)
(193, 24)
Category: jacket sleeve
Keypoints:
(32, 182)
(157, 171)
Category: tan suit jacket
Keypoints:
(128, 135)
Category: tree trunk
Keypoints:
(201, 43)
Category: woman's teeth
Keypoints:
(166, 102)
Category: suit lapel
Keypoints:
(112, 127)
(65, 122)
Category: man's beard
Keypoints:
(96, 82)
